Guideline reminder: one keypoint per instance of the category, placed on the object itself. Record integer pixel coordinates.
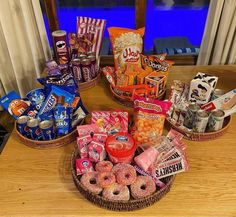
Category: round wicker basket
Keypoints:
(55, 143)
(200, 136)
(89, 84)
(132, 204)
(127, 102)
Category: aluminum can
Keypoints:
(47, 129)
(217, 93)
(22, 125)
(190, 115)
(86, 69)
(82, 56)
(216, 120)
(76, 69)
(35, 131)
(93, 66)
(200, 121)
(61, 50)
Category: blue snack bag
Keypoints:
(14, 104)
(36, 97)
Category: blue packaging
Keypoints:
(47, 129)
(46, 116)
(63, 119)
(34, 130)
(14, 104)
(22, 127)
(36, 97)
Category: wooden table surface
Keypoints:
(38, 182)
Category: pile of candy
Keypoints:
(81, 55)
(109, 163)
(199, 107)
(134, 73)
(49, 112)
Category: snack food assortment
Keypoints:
(199, 107)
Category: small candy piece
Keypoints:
(83, 166)
(82, 143)
(87, 129)
(96, 151)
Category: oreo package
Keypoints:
(14, 104)
(65, 81)
(36, 97)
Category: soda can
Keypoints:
(190, 115)
(63, 119)
(76, 69)
(35, 131)
(22, 125)
(200, 121)
(217, 93)
(36, 97)
(61, 50)
(47, 129)
(216, 120)
(93, 66)
(86, 69)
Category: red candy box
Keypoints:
(121, 147)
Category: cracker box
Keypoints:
(201, 88)
(157, 81)
(227, 103)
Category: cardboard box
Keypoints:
(156, 81)
(227, 103)
(201, 88)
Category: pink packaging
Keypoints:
(102, 119)
(119, 121)
(96, 151)
(82, 143)
(83, 166)
(100, 137)
(87, 129)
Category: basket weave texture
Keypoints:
(89, 84)
(132, 204)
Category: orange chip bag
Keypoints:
(127, 44)
(149, 118)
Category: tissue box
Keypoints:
(201, 88)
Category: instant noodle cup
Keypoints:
(120, 148)
(127, 44)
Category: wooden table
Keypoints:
(38, 182)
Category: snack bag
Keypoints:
(149, 118)
(127, 44)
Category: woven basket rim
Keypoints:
(89, 84)
(117, 205)
(201, 136)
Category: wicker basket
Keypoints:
(89, 84)
(126, 101)
(201, 136)
(55, 143)
(132, 204)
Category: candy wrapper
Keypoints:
(83, 166)
(110, 75)
(82, 143)
(89, 129)
(52, 67)
(36, 97)
(127, 44)
(14, 104)
(96, 151)
(90, 33)
(149, 117)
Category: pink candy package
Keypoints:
(83, 166)
(96, 151)
(87, 129)
(82, 143)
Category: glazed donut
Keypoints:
(104, 166)
(116, 192)
(89, 182)
(143, 187)
(105, 179)
(120, 166)
(126, 175)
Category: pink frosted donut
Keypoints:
(89, 182)
(120, 166)
(105, 179)
(126, 175)
(143, 187)
(116, 192)
(104, 166)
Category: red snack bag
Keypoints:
(149, 117)
(83, 166)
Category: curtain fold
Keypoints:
(219, 41)
(23, 43)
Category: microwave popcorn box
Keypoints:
(201, 88)
(227, 103)
(156, 81)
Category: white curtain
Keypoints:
(219, 40)
(24, 46)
